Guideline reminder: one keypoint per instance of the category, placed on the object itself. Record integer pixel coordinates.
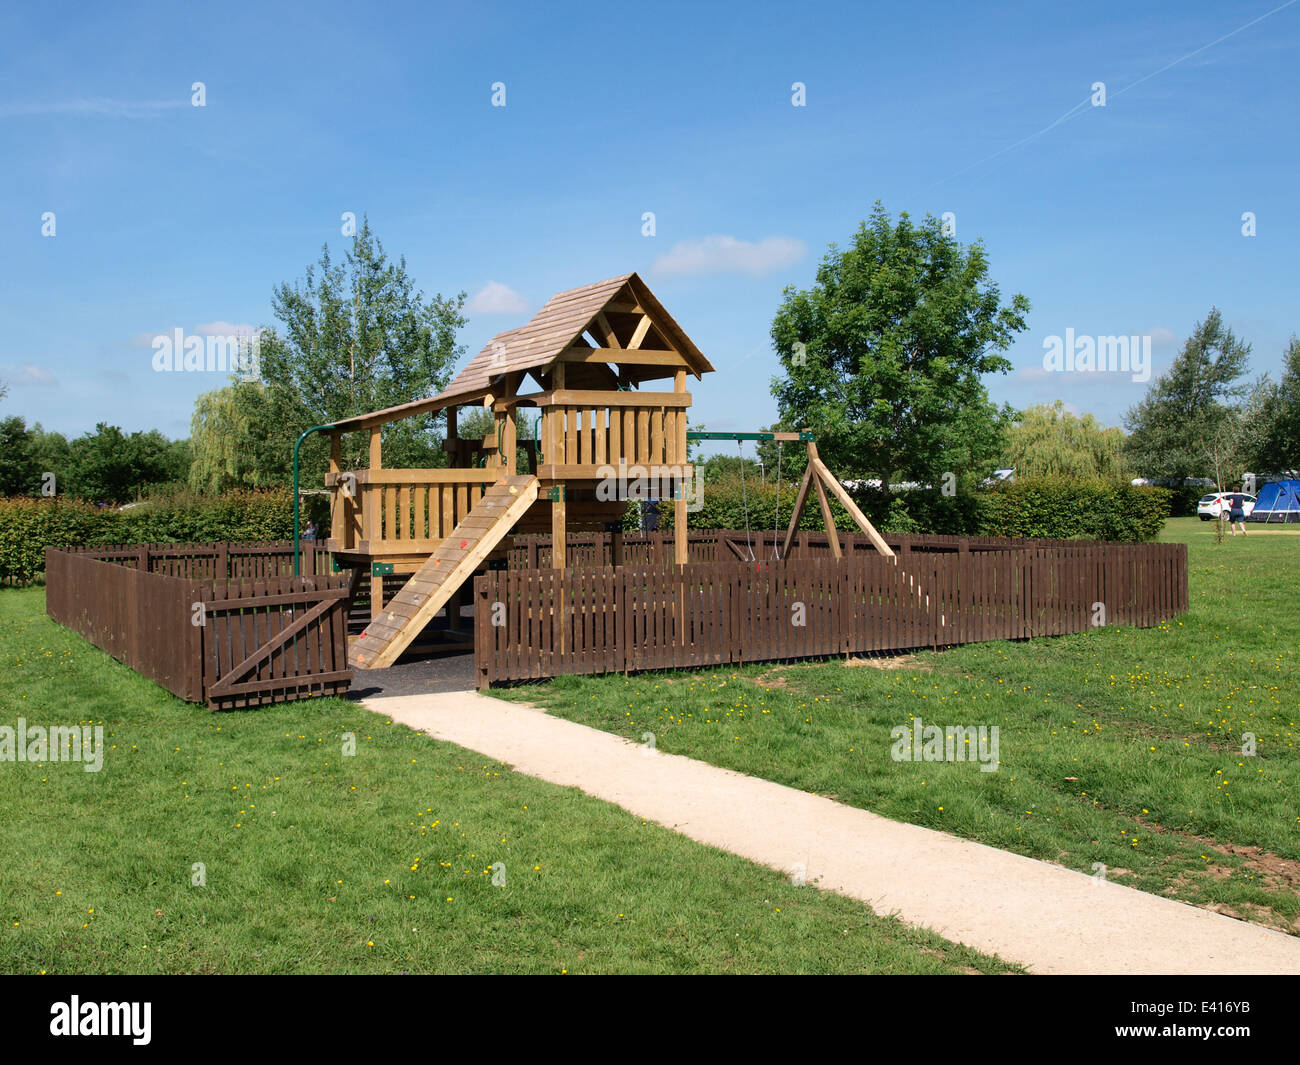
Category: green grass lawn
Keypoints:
(1118, 746)
(379, 862)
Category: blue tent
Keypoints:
(1277, 502)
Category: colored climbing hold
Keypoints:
(463, 543)
(513, 490)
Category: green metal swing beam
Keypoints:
(803, 436)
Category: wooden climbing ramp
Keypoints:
(450, 566)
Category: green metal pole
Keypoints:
(296, 547)
(699, 434)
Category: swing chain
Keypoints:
(744, 501)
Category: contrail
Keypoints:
(1078, 108)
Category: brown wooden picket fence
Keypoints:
(536, 623)
(595, 549)
(225, 624)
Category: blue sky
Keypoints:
(1124, 219)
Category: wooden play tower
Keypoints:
(581, 365)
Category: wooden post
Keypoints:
(372, 520)
(801, 500)
(829, 479)
(559, 548)
(681, 549)
(510, 431)
(337, 502)
(559, 553)
(376, 595)
(554, 448)
(828, 519)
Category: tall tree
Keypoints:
(1182, 423)
(51, 453)
(884, 356)
(18, 473)
(1271, 419)
(355, 337)
(110, 466)
(1050, 441)
(237, 441)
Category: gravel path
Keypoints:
(1046, 917)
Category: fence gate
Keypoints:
(273, 640)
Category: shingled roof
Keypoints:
(558, 326)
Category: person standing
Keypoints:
(1237, 511)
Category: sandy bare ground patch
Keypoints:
(1044, 916)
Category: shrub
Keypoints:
(1066, 509)
(1055, 508)
(28, 526)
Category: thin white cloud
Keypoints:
(91, 106)
(28, 375)
(718, 254)
(225, 329)
(201, 329)
(496, 298)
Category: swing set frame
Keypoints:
(816, 475)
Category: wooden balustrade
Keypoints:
(577, 437)
(401, 511)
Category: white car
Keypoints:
(1216, 505)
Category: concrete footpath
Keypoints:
(1046, 917)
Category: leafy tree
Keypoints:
(356, 337)
(51, 453)
(884, 355)
(1271, 420)
(110, 466)
(237, 441)
(18, 473)
(1049, 441)
(1183, 424)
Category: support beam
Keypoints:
(610, 338)
(376, 449)
(828, 519)
(800, 502)
(624, 356)
(837, 489)
(638, 335)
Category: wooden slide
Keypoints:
(450, 566)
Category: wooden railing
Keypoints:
(583, 431)
(401, 511)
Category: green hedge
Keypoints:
(1183, 500)
(1054, 508)
(1065, 509)
(27, 526)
